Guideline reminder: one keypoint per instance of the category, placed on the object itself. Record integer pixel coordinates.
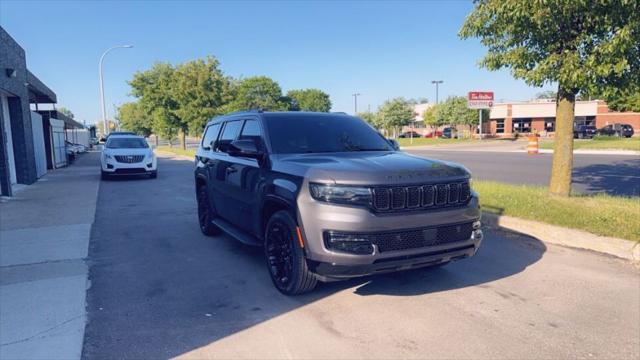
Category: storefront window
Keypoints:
(521, 125)
(500, 126)
(550, 124)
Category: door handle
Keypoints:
(230, 170)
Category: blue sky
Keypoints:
(379, 49)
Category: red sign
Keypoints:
(480, 99)
(481, 95)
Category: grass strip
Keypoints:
(601, 143)
(600, 214)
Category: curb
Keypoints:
(592, 152)
(552, 234)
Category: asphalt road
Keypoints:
(612, 174)
(159, 289)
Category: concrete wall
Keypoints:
(12, 56)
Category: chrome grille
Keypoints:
(421, 197)
(129, 159)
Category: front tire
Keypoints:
(154, 174)
(285, 257)
(206, 213)
(104, 175)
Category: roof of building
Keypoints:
(38, 91)
(55, 114)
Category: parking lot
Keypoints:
(159, 288)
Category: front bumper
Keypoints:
(429, 257)
(316, 218)
(114, 167)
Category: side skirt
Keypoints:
(236, 233)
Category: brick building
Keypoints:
(539, 116)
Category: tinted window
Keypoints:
(210, 135)
(126, 143)
(229, 133)
(251, 130)
(292, 133)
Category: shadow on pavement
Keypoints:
(497, 258)
(618, 178)
(159, 288)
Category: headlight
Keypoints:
(108, 156)
(341, 194)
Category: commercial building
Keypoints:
(539, 117)
(23, 146)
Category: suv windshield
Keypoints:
(315, 133)
(126, 143)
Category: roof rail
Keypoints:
(247, 110)
(339, 112)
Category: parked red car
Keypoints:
(433, 134)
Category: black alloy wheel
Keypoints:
(205, 213)
(285, 256)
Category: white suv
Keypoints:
(128, 155)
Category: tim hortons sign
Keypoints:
(480, 99)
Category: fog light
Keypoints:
(149, 165)
(109, 166)
(349, 243)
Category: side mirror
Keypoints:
(394, 144)
(244, 148)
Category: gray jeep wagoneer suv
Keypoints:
(329, 198)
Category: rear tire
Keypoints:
(285, 257)
(206, 213)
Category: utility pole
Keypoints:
(437, 82)
(355, 103)
(104, 110)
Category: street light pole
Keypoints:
(437, 82)
(355, 103)
(104, 110)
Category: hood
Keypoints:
(369, 168)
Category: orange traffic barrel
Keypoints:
(532, 147)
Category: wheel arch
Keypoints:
(271, 205)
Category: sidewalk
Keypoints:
(44, 238)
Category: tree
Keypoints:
(309, 100)
(579, 44)
(454, 111)
(64, 111)
(155, 90)
(372, 118)
(549, 94)
(622, 100)
(200, 90)
(431, 117)
(133, 118)
(395, 113)
(259, 92)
